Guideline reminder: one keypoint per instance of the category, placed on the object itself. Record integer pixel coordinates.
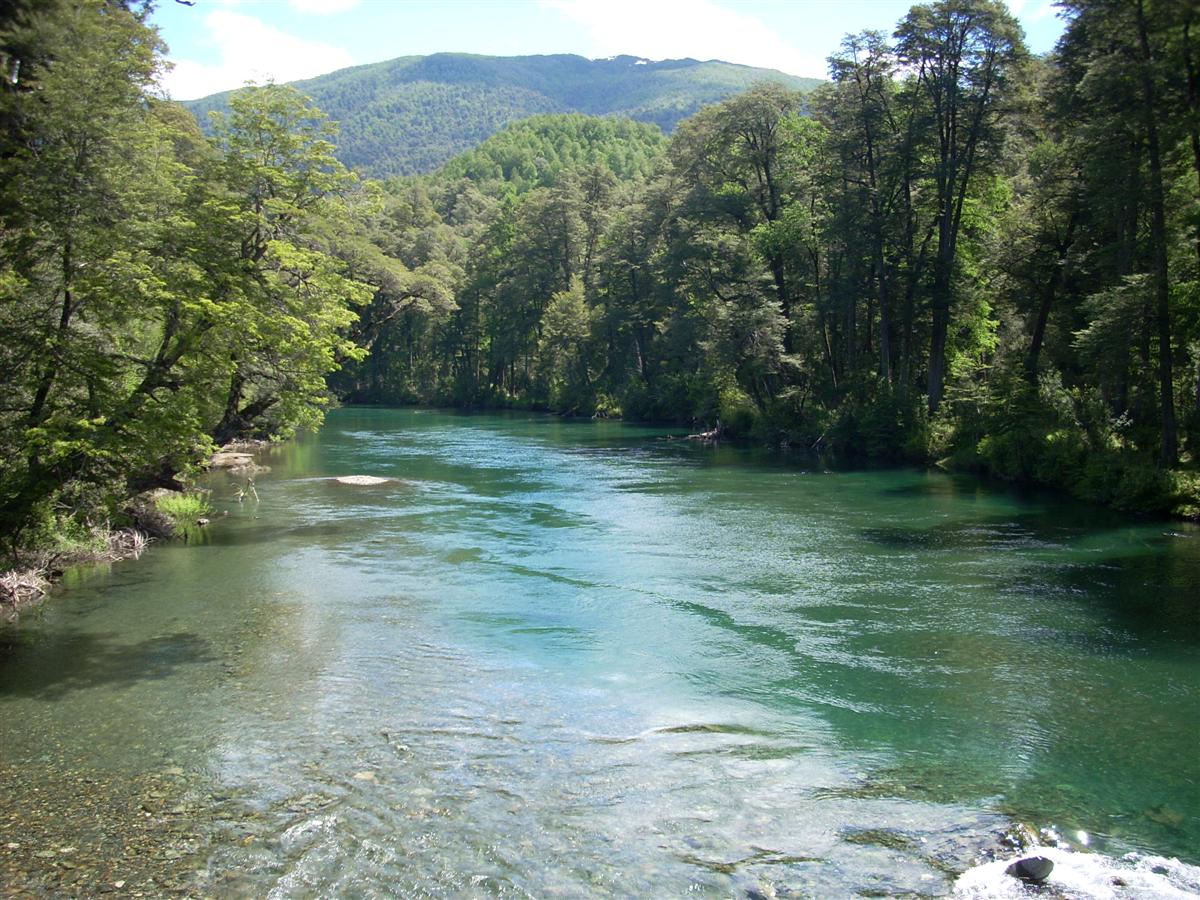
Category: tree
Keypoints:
(861, 116)
(283, 200)
(89, 209)
(155, 290)
(562, 348)
(1127, 86)
(731, 153)
(965, 55)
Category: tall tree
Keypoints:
(965, 54)
(89, 195)
(861, 117)
(284, 188)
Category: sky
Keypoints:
(217, 45)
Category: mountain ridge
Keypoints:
(411, 114)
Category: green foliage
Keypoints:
(537, 151)
(878, 424)
(943, 255)
(566, 329)
(950, 252)
(1063, 437)
(735, 410)
(184, 509)
(158, 290)
(53, 529)
(606, 407)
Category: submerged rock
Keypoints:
(1034, 869)
(239, 458)
(362, 479)
(230, 459)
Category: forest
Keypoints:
(951, 252)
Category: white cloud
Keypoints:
(250, 50)
(671, 29)
(322, 7)
(1048, 8)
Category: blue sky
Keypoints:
(221, 44)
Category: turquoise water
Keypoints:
(576, 658)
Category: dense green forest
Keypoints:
(411, 114)
(953, 251)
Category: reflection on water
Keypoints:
(578, 658)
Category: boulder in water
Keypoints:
(1033, 869)
(362, 479)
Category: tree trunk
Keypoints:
(784, 306)
(1192, 70)
(1048, 296)
(1169, 455)
(37, 410)
(937, 341)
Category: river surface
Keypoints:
(578, 659)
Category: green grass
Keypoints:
(184, 510)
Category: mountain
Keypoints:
(411, 114)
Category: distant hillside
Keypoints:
(411, 114)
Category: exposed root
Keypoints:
(19, 588)
(709, 437)
(148, 519)
(31, 579)
(128, 543)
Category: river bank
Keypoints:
(1092, 468)
(158, 515)
(29, 580)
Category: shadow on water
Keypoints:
(56, 666)
(759, 635)
(1154, 596)
(1054, 526)
(1144, 575)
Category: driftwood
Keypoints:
(709, 436)
(18, 588)
(230, 459)
(24, 586)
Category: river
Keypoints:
(579, 659)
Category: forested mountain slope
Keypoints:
(411, 114)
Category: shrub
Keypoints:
(606, 407)
(878, 424)
(184, 510)
(736, 411)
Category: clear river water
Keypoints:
(580, 659)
